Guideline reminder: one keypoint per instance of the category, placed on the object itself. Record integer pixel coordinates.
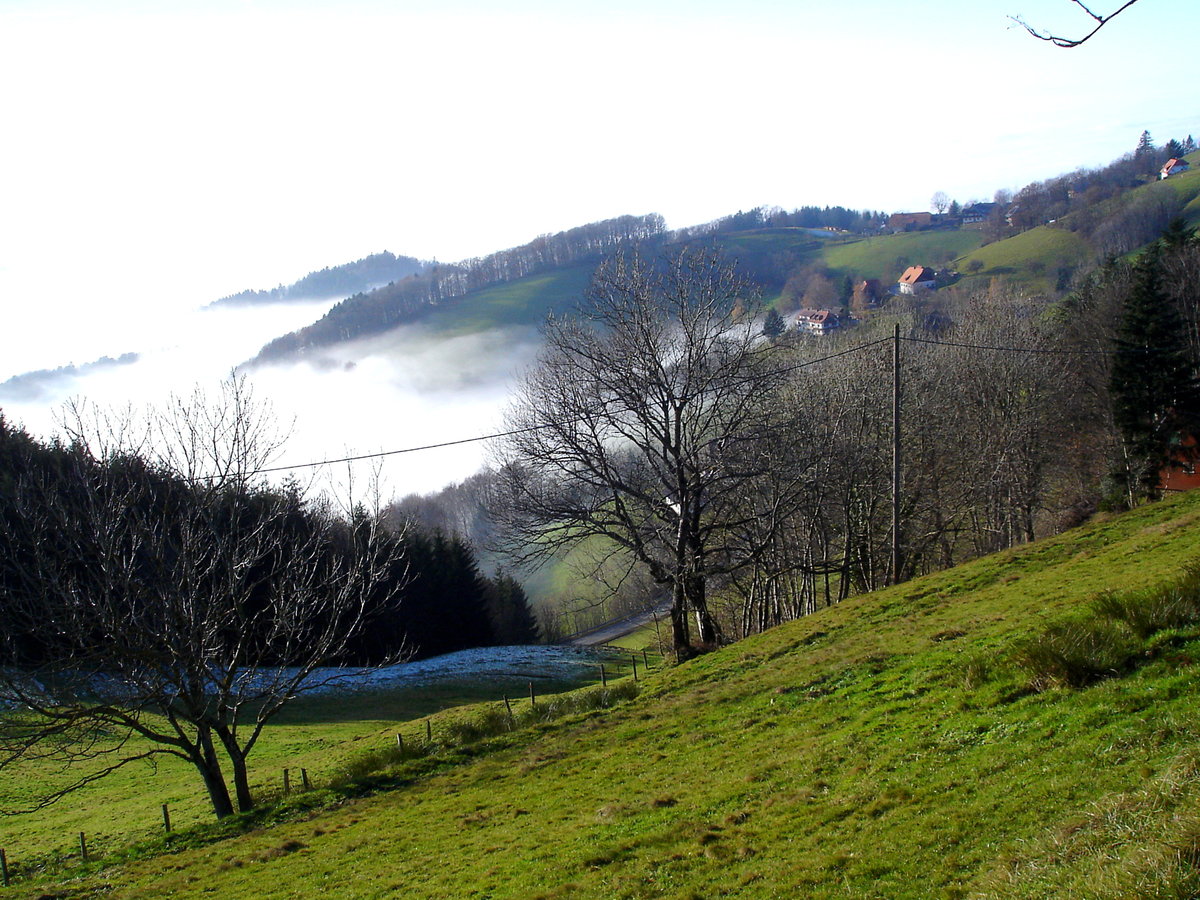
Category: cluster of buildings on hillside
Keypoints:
(972, 216)
(868, 294)
(917, 279)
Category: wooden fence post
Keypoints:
(532, 699)
(304, 779)
(83, 846)
(428, 732)
(508, 706)
(400, 742)
(166, 819)
(645, 660)
(603, 679)
(634, 660)
(287, 782)
(3, 868)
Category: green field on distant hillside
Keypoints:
(798, 241)
(886, 257)
(526, 301)
(1032, 257)
(894, 746)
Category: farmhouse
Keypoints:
(976, 214)
(816, 321)
(1181, 473)
(909, 221)
(1173, 167)
(916, 279)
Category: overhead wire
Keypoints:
(781, 371)
(511, 433)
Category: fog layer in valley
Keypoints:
(406, 388)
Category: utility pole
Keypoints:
(896, 454)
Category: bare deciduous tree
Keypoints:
(646, 422)
(173, 598)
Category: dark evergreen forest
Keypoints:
(432, 598)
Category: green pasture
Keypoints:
(317, 734)
(887, 747)
(887, 256)
(524, 302)
(1032, 257)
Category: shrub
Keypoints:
(1173, 605)
(1075, 654)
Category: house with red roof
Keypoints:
(816, 321)
(1173, 167)
(916, 279)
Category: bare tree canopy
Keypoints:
(654, 421)
(1099, 19)
(164, 595)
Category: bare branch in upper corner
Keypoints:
(1059, 40)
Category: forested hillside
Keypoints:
(405, 300)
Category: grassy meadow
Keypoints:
(896, 745)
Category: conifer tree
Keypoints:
(773, 324)
(512, 620)
(1155, 394)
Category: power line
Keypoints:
(813, 362)
(916, 340)
(503, 434)
(383, 453)
(781, 371)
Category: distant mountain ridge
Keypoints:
(339, 281)
(32, 386)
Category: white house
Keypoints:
(916, 279)
(1173, 167)
(816, 321)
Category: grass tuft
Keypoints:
(1075, 654)
(1119, 632)
(1172, 605)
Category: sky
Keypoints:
(159, 155)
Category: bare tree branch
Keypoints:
(1059, 40)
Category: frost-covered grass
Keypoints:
(318, 733)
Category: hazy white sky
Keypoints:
(157, 155)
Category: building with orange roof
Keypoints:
(915, 279)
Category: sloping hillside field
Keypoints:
(946, 738)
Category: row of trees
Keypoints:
(753, 481)
(838, 218)
(157, 594)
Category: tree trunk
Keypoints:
(679, 629)
(214, 779)
(237, 760)
(707, 632)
